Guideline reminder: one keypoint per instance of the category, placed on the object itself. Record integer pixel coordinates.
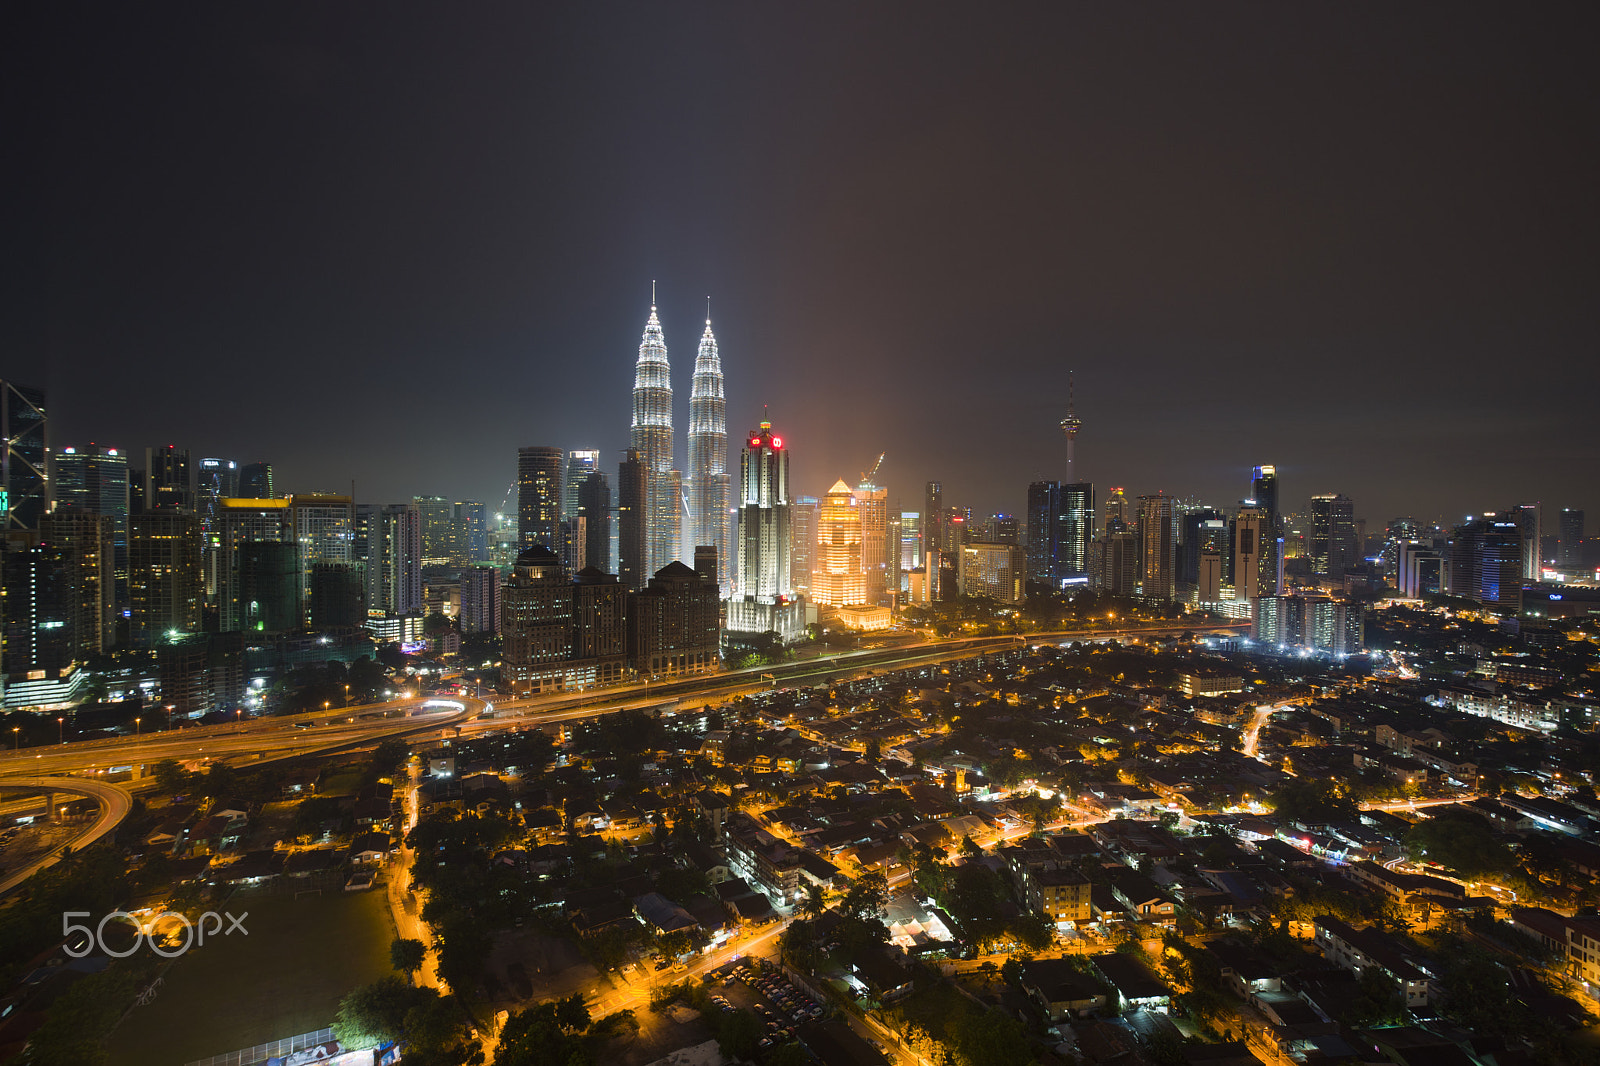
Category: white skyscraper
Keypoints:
(709, 521)
(652, 438)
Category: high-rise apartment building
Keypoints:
(1570, 554)
(1118, 571)
(81, 545)
(633, 487)
(168, 481)
(165, 591)
(560, 634)
(1333, 535)
(539, 497)
(710, 522)
(838, 580)
(438, 518)
(472, 531)
(672, 624)
(24, 480)
(390, 541)
(803, 542)
(1156, 547)
(763, 603)
(992, 570)
(480, 600)
(652, 439)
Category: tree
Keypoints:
(407, 956)
(814, 903)
(738, 1034)
(171, 776)
(389, 756)
(1463, 843)
(572, 1013)
(376, 1014)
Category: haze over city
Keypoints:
(1357, 245)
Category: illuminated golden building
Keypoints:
(838, 579)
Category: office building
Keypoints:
(480, 600)
(323, 526)
(803, 514)
(216, 480)
(1156, 547)
(932, 523)
(992, 570)
(1117, 507)
(632, 530)
(1264, 493)
(838, 579)
(1420, 571)
(1526, 515)
(872, 505)
(910, 542)
(672, 624)
(255, 481)
(594, 510)
(1249, 530)
(94, 480)
(1570, 553)
(539, 497)
(242, 524)
(165, 591)
(24, 480)
(581, 462)
(1060, 527)
(38, 633)
(763, 602)
(168, 481)
(1333, 535)
(1486, 561)
(1200, 529)
(1118, 569)
(710, 487)
(438, 522)
(652, 438)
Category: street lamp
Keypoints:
(16, 738)
(169, 716)
(347, 695)
(61, 729)
(136, 727)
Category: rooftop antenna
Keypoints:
(652, 294)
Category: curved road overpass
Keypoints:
(115, 803)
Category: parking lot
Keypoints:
(782, 1008)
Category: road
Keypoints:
(115, 803)
(258, 740)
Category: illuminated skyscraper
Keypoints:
(932, 521)
(1526, 515)
(1248, 529)
(24, 431)
(243, 525)
(581, 462)
(632, 487)
(838, 579)
(1060, 524)
(1264, 491)
(910, 541)
(709, 520)
(1333, 535)
(1486, 561)
(1155, 548)
(764, 603)
(652, 439)
(539, 497)
(324, 529)
(94, 480)
(872, 503)
(1571, 543)
(802, 542)
(255, 481)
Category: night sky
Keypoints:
(391, 244)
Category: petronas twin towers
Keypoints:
(670, 503)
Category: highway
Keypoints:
(115, 803)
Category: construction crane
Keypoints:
(866, 478)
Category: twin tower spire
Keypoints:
(675, 505)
